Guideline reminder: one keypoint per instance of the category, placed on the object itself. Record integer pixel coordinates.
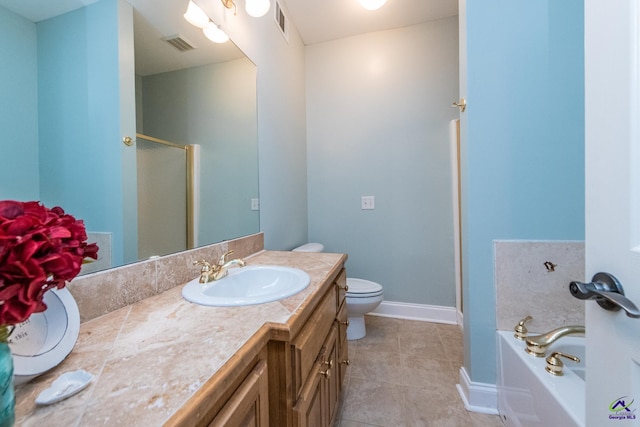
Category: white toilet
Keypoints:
(363, 296)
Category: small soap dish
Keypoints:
(64, 386)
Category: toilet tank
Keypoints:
(310, 247)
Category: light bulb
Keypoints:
(215, 34)
(196, 16)
(257, 8)
(372, 4)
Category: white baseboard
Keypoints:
(477, 397)
(427, 313)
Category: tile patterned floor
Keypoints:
(404, 374)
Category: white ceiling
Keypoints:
(322, 20)
(39, 10)
(316, 21)
(153, 21)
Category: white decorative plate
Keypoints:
(45, 339)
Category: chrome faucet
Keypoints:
(537, 345)
(211, 272)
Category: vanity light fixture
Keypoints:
(198, 18)
(255, 8)
(215, 34)
(372, 4)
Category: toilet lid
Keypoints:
(361, 286)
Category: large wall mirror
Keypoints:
(190, 176)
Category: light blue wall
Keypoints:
(378, 114)
(281, 122)
(19, 139)
(523, 150)
(79, 117)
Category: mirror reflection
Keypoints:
(190, 177)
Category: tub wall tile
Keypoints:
(524, 286)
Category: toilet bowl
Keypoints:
(362, 297)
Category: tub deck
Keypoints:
(528, 396)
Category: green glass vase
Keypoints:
(7, 396)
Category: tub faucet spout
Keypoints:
(537, 345)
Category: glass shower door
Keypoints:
(162, 197)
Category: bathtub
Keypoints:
(528, 396)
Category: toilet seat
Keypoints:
(360, 288)
(363, 296)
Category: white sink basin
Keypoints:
(253, 284)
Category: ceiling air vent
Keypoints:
(179, 43)
(282, 21)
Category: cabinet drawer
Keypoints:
(341, 284)
(308, 342)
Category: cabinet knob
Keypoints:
(345, 322)
(328, 363)
(326, 373)
(346, 362)
(345, 287)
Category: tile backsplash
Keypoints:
(532, 278)
(103, 292)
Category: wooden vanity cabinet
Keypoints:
(318, 386)
(282, 380)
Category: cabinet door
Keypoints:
(309, 410)
(343, 345)
(307, 345)
(318, 401)
(249, 405)
(341, 286)
(332, 381)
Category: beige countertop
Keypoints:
(151, 357)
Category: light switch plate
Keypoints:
(368, 202)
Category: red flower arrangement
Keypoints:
(40, 249)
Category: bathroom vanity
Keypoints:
(165, 361)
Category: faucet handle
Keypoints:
(555, 365)
(205, 265)
(521, 330)
(205, 272)
(223, 258)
